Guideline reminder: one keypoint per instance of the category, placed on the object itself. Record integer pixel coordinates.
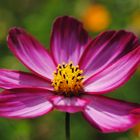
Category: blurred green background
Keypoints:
(36, 16)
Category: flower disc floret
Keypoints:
(68, 79)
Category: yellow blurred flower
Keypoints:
(3, 28)
(96, 18)
(136, 130)
(6, 19)
(134, 24)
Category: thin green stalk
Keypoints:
(67, 126)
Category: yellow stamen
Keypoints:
(68, 79)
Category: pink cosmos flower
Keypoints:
(73, 76)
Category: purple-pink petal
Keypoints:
(31, 53)
(110, 115)
(105, 49)
(68, 40)
(114, 75)
(24, 103)
(136, 111)
(69, 104)
(10, 79)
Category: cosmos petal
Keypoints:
(114, 75)
(68, 40)
(69, 104)
(110, 115)
(10, 79)
(136, 111)
(24, 103)
(31, 53)
(105, 49)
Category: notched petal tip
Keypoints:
(15, 30)
(13, 33)
(67, 18)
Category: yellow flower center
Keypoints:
(68, 79)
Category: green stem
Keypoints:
(67, 126)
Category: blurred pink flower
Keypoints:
(73, 76)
